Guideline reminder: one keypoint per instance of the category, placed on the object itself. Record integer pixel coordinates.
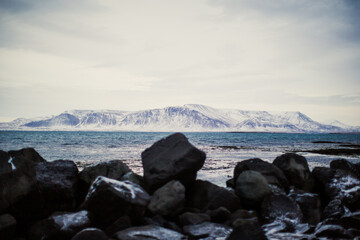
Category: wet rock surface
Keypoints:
(280, 200)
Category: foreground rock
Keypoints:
(17, 175)
(168, 200)
(114, 169)
(55, 190)
(110, 199)
(7, 226)
(90, 234)
(272, 173)
(204, 196)
(62, 226)
(247, 229)
(296, 170)
(251, 187)
(172, 158)
(148, 232)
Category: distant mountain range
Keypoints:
(187, 118)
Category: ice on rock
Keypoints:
(346, 186)
(13, 167)
(71, 220)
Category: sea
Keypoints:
(223, 149)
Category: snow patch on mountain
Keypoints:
(190, 117)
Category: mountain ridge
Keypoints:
(186, 118)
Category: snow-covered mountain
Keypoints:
(190, 117)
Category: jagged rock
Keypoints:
(90, 234)
(332, 232)
(207, 230)
(309, 204)
(172, 158)
(219, 215)
(168, 200)
(280, 207)
(7, 226)
(120, 224)
(272, 173)
(338, 184)
(110, 199)
(247, 229)
(296, 170)
(148, 232)
(345, 165)
(204, 195)
(114, 169)
(190, 218)
(335, 209)
(251, 187)
(56, 189)
(61, 226)
(17, 175)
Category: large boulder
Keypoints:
(190, 218)
(272, 173)
(338, 184)
(110, 199)
(251, 187)
(148, 232)
(279, 207)
(114, 169)
(207, 230)
(296, 170)
(172, 158)
(309, 204)
(168, 200)
(204, 196)
(7, 226)
(55, 190)
(17, 175)
(60, 226)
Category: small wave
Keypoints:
(69, 144)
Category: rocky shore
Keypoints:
(43, 200)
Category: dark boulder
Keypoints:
(219, 215)
(168, 200)
(190, 218)
(242, 214)
(110, 199)
(345, 165)
(207, 230)
(148, 232)
(55, 190)
(338, 184)
(309, 204)
(351, 220)
(272, 173)
(204, 195)
(90, 234)
(114, 169)
(248, 229)
(296, 170)
(61, 226)
(172, 158)
(251, 187)
(162, 222)
(134, 177)
(7, 226)
(332, 232)
(17, 175)
(121, 223)
(277, 207)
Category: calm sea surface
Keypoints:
(223, 149)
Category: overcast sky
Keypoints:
(275, 55)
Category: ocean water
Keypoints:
(223, 150)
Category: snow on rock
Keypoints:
(69, 221)
(347, 186)
(13, 167)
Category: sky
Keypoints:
(274, 55)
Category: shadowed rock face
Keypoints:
(110, 199)
(296, 170)
(172, 158)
